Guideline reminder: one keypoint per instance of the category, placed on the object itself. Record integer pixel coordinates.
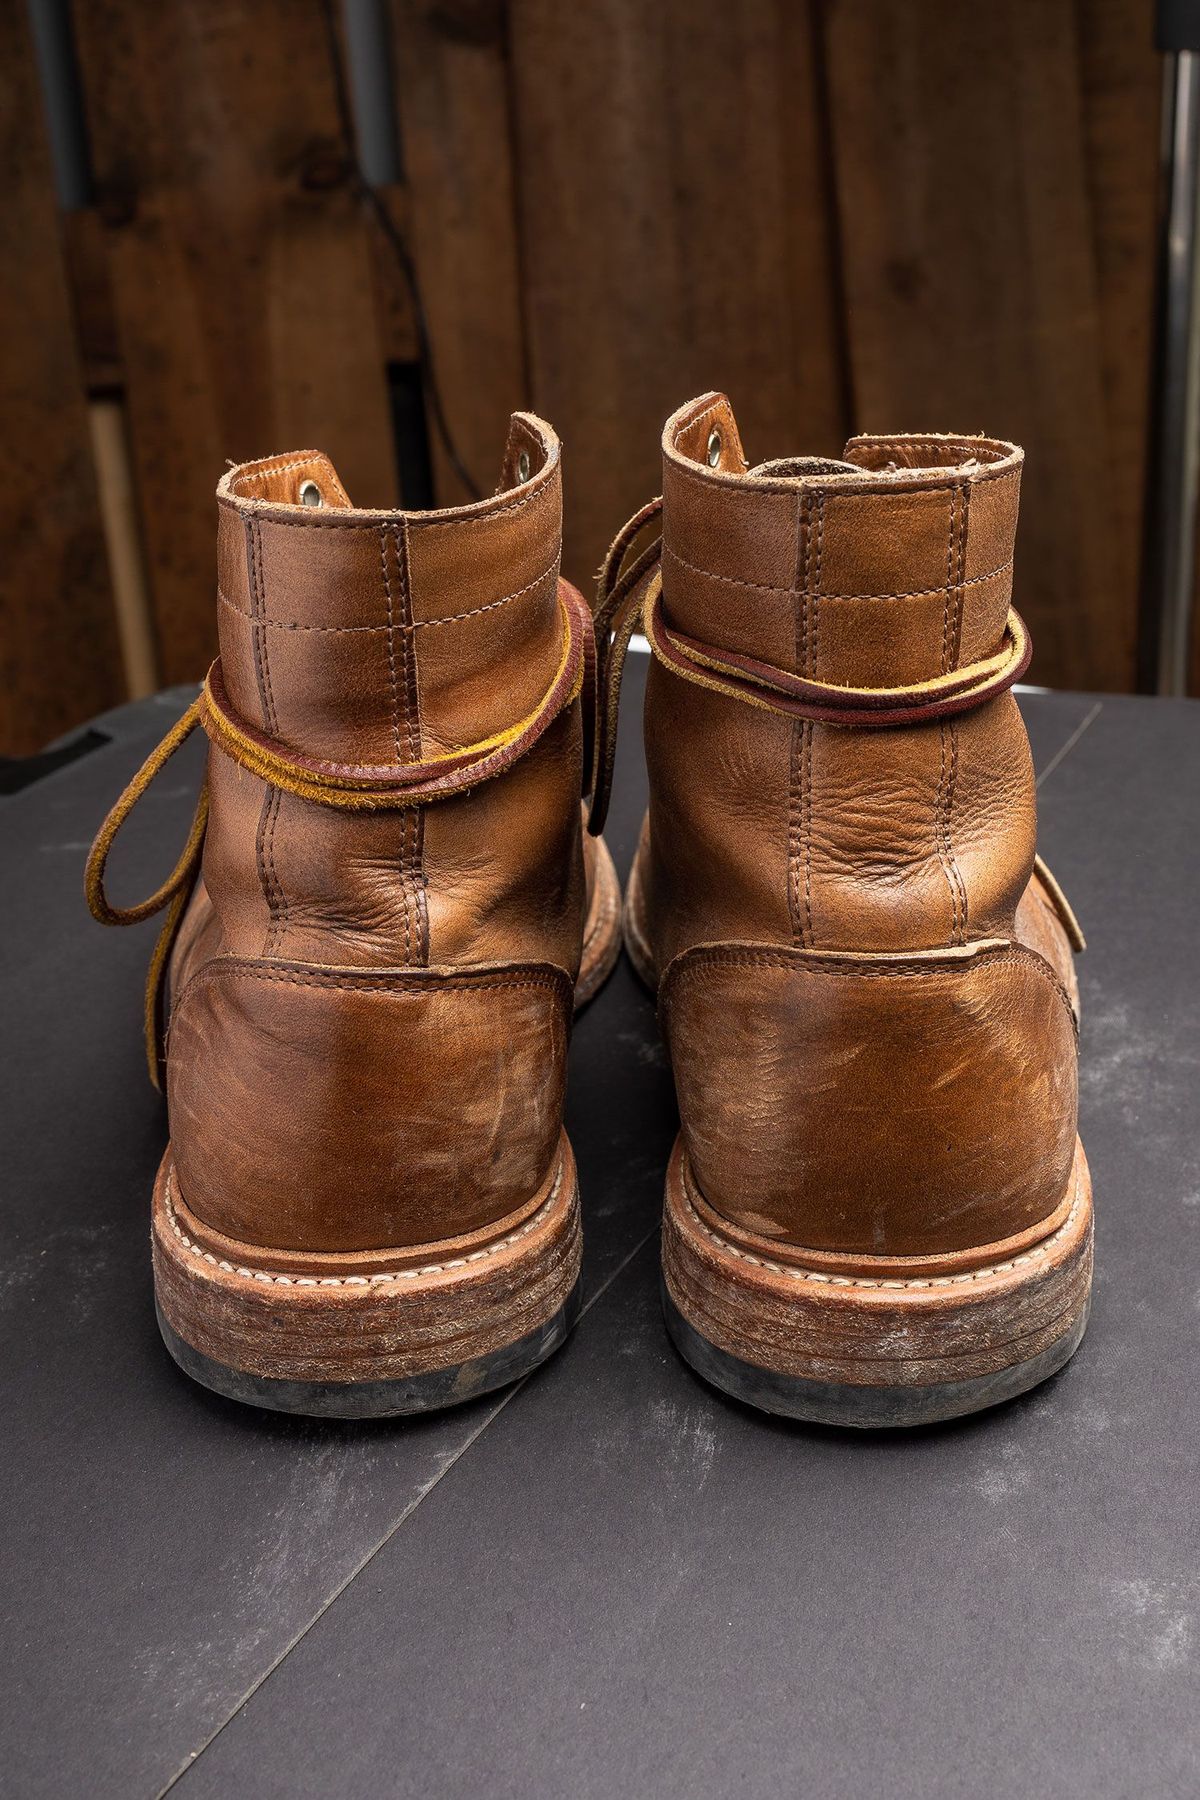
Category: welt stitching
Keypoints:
(995, 458)
(412, 699)
(384, 1275)
(795, 776)
(391, 637)
(873, 482)
(264, 843)
(955, 650)
(796, 744)
(474, 611)
(1036, 1253)
(412, 838)
(206, 976)
(415, 824)
(940, 831)
(976, 452)
(402, 859)
(762, 587)
(809, 729)
(805, 725)
(949, 578)
(275, 466)
(281, 468)
(272, 720)
(417, 624)
(330, 521)
(512, 506)
(1020, 958)
(769, 587)
(698, 419)
(255, 615)
(926, 593)
(964, 521)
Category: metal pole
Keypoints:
(1173, 485)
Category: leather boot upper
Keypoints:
(369, 1009)
(866, 990)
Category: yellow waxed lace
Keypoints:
(346, 788)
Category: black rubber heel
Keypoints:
(863, 1407)
(428, 1392)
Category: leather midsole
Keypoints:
(287, 1261)
(916, 1329)
(402, 1321)
(858, 1263)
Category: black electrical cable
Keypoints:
(365, 192)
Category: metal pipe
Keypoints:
(369, 66)
(1175, 485)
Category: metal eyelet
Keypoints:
(310, 494)
(714, 448)
(523, 466)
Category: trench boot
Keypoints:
(878, 1211)
(362, 996)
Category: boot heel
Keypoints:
(415, 1330)
(861, 1351)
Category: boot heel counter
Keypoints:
(874, 1105)
(335, 1109)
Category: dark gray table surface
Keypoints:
(608, 1580)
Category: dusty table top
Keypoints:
(608, 1580)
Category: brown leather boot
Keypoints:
(368, 1204)
(878, 1211)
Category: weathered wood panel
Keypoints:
(456, 135)
(1121, 84)
(848, 215)
(59, 655)
(676, 235)
(972, 297)
(241, 270)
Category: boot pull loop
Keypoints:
(174, 893)
(620, 595)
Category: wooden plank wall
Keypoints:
(849, 214)
(59, 656)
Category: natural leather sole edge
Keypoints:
(870, 1408)
(873, 1352)
(354, 1346)
(430, 1392)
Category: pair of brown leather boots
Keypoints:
(877, 1211)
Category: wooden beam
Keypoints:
(456, 134)
(972, 295)
(677, 235)
(241, 271)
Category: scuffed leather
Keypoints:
(345, 1066)
(346, 1110)
(913, 1112)
(904, 1107)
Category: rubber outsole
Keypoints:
(864, 1407)
(428, 1392)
